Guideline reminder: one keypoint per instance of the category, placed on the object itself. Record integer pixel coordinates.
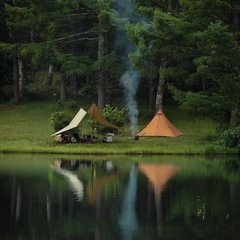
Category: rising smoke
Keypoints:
(130, 82)
(130, 78)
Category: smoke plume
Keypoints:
(130, 81)
(130, 78)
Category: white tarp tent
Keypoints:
(74, 123)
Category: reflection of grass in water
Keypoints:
(197, 165)
(26, 129)
(34, 165)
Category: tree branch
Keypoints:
(71, 36)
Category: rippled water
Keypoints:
(55, 197)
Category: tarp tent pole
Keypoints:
(81, 128)
(93, 122)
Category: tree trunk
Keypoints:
(152, 96)
(103, 44)
(63, 94)
(101, 75)
(160, 88)
(235, 114)
(50, 75)
(21, 76)
(101, 90)
(16, 79)
(74, 88)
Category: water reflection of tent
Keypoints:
(96, 186)
(158, 175)
(75, 183)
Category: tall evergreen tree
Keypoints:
(213, 32)
(155, 39)
(5, 70)
(195, 43)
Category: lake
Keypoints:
(123, 197)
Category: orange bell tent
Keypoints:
(160, 126)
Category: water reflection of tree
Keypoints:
(15, 201)
(206, 206)
(25, 209)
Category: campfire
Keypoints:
(136, 137)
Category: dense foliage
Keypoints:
(59, 120)
(230, 138)
(63, 116)
(115, 116)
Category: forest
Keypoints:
(182, 52)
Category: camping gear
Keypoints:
(108, 137)
(160, 126)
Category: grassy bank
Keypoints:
(25, 129)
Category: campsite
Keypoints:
(135, 56)
(26, 129)
(159, 126)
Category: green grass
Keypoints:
(26, 130)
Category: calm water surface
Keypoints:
(52, 197)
